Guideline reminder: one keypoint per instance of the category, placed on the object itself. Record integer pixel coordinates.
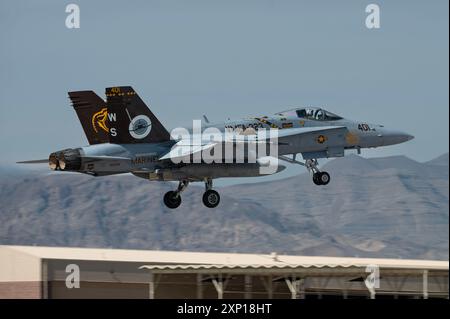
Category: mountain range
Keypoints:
(392, 207)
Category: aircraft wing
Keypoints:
(186, 147)
(183, 149)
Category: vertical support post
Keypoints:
(248, 286)
(151, 286)
(199, 286)
(44, 279)
(270, 287)
(296, 287)
(301, 288)
(425, 284)
(294, 291)
(218, 284)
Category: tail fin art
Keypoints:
(92, 113)
(130, 120)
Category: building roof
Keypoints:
(177, 259)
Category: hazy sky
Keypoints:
(225, 59)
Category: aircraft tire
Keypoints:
(316, 179)
(211, 198)
(321, 178)
(171, 200)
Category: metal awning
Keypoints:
(309, 269)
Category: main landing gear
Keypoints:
(172, 199)
(319, 177)
(211, 198)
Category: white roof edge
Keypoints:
(221, 258)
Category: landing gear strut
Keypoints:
(211, 198)
(172, 199)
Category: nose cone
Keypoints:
(391, 137)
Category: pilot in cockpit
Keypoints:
(319, 115)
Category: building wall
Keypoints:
(98, 290)
(20, 290)
(20, 275)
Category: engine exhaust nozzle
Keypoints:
(53, 162)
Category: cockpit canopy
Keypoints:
(311, 113)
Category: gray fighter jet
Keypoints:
(126, 137)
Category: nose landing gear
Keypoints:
(319, 178)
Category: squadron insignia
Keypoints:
(99, 120)
(321, 139)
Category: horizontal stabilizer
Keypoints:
(41, 161)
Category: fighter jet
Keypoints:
(126, 137)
